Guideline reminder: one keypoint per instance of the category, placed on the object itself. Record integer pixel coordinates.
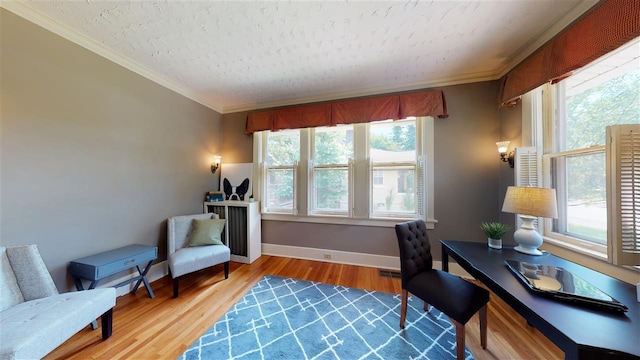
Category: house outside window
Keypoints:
(366, 174)
(603, 93)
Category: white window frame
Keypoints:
(314, 168)
(539, 109)
(360, 212)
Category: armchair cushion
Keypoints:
(190, 259)
(179, 230)
(10, 294)
(206, 232)
(31, 273)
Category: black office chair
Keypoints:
(452, 295)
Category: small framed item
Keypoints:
(213, 196)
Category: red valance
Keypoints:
(609, 26)
(423, 103)
(365, 110)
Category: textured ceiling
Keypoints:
(240, 55)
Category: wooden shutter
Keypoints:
(623, 195)
(527, 169)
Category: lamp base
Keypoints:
(526, 250)
(527, 237)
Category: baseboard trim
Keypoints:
(349, 258)
(161, 269)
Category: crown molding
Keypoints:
(419, 85)
(67, 33)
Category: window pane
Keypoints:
(283, 147)
(333, 145)
(584, 202)
(331, 189)
(392, 141)
(378, 178)
(280, 189)
(602, 94)
(399, 196)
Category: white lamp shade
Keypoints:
(532, 201)
(502, 146)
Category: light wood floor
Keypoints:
(163, 328)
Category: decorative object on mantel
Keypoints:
(530, 203)
(494, 231)
(237, 181)
(235, 192)
(213, 196)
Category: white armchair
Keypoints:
(184, 259)
(34, 317)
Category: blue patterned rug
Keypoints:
(283, 318)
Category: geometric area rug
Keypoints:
(284, 318)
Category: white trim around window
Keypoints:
(360, 179)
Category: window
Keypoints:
(378, 178)
(365, 174)
(283, 154)
(392, 150)
(603, 93)
(332, 151)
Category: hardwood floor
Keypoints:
(163, 328)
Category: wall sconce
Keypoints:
(215, 164)
(504, 156)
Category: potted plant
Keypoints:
(494, 231)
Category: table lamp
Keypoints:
(530, 203)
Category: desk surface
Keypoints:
(579, 331)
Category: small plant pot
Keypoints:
(495, 243)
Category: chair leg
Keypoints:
(107, 324)
(226, 270)
(403, 308)
(483, 326)
(425, 307)
(175, 287)
(459, 339)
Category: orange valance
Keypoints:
(423, 103)
(610, 25)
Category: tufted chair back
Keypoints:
(415, 250)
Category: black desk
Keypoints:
(582, 333)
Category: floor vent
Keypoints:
(389, 273)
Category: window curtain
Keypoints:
(423, 103)
(610, 25)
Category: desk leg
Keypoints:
(445, 259)
(143, 278)
(78, 283)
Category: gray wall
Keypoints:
(467, 177)
(93, 156)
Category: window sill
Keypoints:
(593, 251)
(593, 259)
(430, 223)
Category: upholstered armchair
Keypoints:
(34, 317)
(186, 249)
(452, 295)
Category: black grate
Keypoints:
(389, 273)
